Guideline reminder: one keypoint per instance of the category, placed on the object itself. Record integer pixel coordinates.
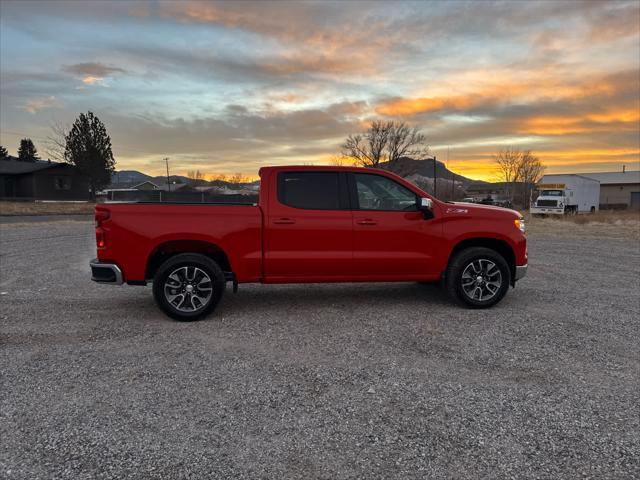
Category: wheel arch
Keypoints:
(500, 246)
(167, 249)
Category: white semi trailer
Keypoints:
(566, 194)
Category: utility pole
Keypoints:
(435, 174)
(166, 160)
(453, 181)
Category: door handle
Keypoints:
(367, 221)
(284, 221)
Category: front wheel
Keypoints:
(478, 277)
(188, 286)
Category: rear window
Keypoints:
(309, 190)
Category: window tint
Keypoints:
(309, 190)
(376, 192)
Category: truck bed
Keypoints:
(135, 232)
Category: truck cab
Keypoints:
(554, 200)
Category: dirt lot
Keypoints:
(46, 208)
(332, 381)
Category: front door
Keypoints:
(392, 239)
(308, 228)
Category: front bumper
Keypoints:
(546, 211)
(521, 271)
(105, 272)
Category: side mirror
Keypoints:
(425, 205)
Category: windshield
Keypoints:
(551, 193)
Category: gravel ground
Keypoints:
(331, 381)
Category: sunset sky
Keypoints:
(231, 86)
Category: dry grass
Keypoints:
(46, 208)
(605, 224)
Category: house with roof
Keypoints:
(41, 180)
(618, 189)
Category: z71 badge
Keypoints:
(457, 210)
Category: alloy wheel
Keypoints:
(481, 280)
(188, 289)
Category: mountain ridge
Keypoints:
(406, 167)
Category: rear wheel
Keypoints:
(478, 277)
(188, 286)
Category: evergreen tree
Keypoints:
(3, 152)
(88, 147)
(27, 151)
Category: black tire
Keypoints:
(477, 256)
(166, 277)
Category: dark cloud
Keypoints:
(241, 133)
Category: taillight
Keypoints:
(101, 216)
(100, 238)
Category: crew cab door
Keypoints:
(308, 227)
(391, 237)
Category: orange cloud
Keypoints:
(413, 106)
(90, 80)
(562, 125)
(498, 88)
(333, 49)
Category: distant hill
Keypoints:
(417, 171)
(408, 167)
(173, 178)
(129, 176)
(134, 177)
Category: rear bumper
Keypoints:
(105, 272)
(521, 271)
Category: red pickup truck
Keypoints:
(310, 225)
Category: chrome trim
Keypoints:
(521, 271)
(95, 263)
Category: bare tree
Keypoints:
(340, 161)
(530, 173)
(238, 178)
(196, 177)
(384, 141)
(519, 167)
(218, 178)
(56, 142)
(508, 161)
(405, 141)
(368, 150)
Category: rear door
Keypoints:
(392, 239)
(308, 230)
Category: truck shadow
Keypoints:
(266, 298)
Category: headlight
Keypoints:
(519, 223)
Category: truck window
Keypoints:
(309, 190)
(376, 192)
